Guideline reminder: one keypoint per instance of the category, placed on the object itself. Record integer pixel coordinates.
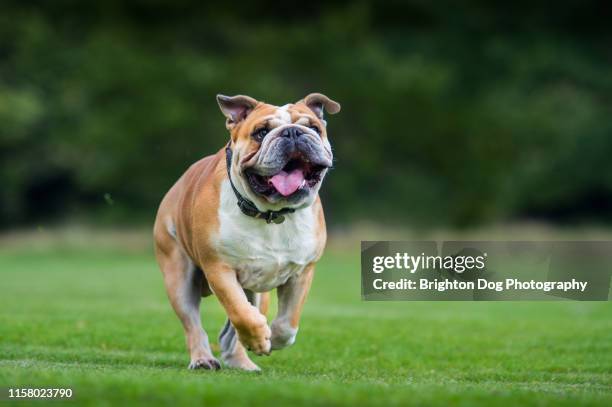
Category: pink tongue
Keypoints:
(288, 182)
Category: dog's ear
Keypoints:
(318, 102)
(235, 108)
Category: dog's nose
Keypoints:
(291, 132)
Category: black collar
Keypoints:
(247, 207)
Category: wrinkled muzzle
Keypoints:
(292, 160)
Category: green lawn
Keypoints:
(97, 320)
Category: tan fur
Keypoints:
(264, 304)
(186, 223)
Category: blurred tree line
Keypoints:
(454, 113)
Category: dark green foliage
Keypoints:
(451, 114)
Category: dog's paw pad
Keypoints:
(205, 363)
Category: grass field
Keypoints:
(96, 319)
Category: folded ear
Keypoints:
(318, 102)
(235, 108)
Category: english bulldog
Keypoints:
(244, 221)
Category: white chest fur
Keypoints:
(264, 255)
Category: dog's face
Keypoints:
(280, 154)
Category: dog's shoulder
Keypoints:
(189, 208)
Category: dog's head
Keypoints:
(280, 155)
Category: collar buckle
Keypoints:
(275, 217)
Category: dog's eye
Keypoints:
(260, 134)
(315, 128)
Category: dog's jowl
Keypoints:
(244, 221)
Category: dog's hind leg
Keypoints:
(184, 287)
(264, 303)
(233, 353)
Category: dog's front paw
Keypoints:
(208, 363)
(255, 336)
(283, 334)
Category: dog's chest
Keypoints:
(264, 255)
